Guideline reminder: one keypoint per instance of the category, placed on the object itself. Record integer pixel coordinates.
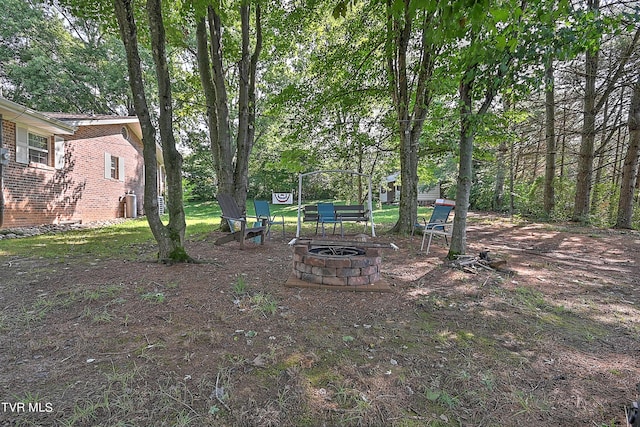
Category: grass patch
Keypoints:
(131, 239)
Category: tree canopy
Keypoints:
(446, 92)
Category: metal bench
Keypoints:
(355, 213)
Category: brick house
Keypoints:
(68, 167)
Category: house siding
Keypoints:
(78, 192)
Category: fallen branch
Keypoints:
(471, 264)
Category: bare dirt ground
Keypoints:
(554, 342)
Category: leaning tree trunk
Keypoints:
(169, 238)
(176, 227)
(630, 168)
(222, 142)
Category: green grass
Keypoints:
(130, 239)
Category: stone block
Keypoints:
(372, 252)
(311, 278)
(373, 278)
(314, 261)
(303, 268)
(359, 262)
(366, 271)
(358, 281)
(347, 272)
(300, 249)
(334, 281)
(338, 262)
(323, 271)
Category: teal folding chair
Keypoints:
(264, 213)
(327, 215)
(437, 225)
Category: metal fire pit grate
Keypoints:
(337, 251)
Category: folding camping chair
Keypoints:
(263, 212)
(327, 215)
(438, 225)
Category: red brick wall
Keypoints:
(36, 194)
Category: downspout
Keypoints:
(1, 174)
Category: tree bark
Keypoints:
(231, 160)
(170, 238)
(246, 103)
(585, 156)
(630, 168)
(410, 120)
(592, 105)
(550, 138)
(459, 236)
(497, 203)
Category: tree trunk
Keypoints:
(170, 238)
(550, 138)
(410, 121)
(246, 104)
(220, 143)
(497, 203)
(630, 168)
(209, 89)
(592, 106)
(585, 156)
(231, 160)
(463, 191)
(172, 158)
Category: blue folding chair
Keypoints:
(327, 215)
(437, 225)
(264, 213)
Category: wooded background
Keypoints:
(558, 139)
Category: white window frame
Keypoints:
(24, 149)
(108, 168)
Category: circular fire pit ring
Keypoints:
(336, 265)
(337, 251)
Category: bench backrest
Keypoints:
(350, 208)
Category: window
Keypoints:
(31, 147)
(38, 149)
(35, 148)
(113, 167)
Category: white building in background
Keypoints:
(390, 191)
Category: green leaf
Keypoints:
(500, 15)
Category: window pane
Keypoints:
(114, 167)
(37, 156)
(37, 141)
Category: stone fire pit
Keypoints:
(341, 265)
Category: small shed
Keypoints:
(390, 191)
